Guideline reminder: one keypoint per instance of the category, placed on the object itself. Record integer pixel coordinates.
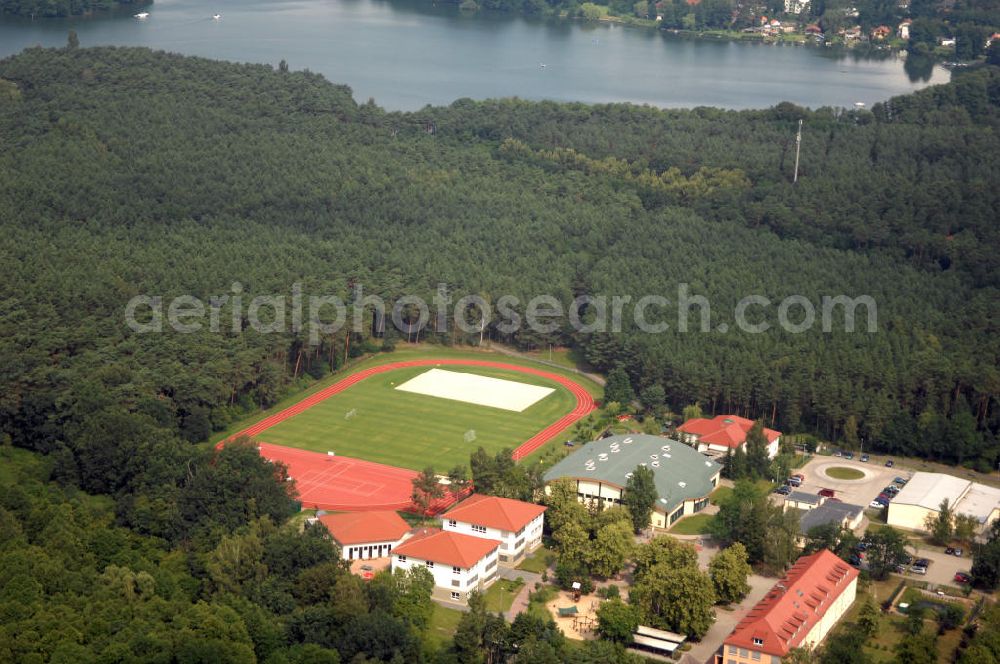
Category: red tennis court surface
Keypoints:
(348, 484)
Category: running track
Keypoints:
(347, 484)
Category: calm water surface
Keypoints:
(406, 54)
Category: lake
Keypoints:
(407, 54)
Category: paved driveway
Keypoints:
(725, 621)
(856, 492)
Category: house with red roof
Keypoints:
(881, 32)
(798, 612)
(517, 525)
(716, 436)
(459, 563)
(365, 535)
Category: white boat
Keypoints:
(859, 104)
(216, 17)
(141, 15)
(542, 65)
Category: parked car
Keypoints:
(784, 490)
(827, 493)
(864, 458)
(949, 551)
(862, 546)
(837, 453)
(908, 560)
(834, 500)
(958, 553)
(892, 489)
(889, 463)
(918, 569)
(569, 443)
(877, 504)
(799, 476)
(922, 562)
(848, 455)
(884, 496)
(962, 577)
(794, 481)
(901, 481)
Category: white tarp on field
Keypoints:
(480, 390)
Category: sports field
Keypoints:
(373, 420)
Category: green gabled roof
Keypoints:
(681, 472)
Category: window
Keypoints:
(452, 523)
(732, 650)
(456, 570)
(744, 652)
(478, 529)
(758, 642)
(456, 596)
(472, 580)
(456, 583)
(756, 656)
(401, 559)
(775, 659)
(430, 564)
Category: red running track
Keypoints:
(347, 484)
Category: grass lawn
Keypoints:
(844, 473)
(720, 494)
(413, 430)
(416, 430)
(697, 524)
(500, 596)
(443, 624)
(539, 561)
(879, 648)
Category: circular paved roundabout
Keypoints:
(841, 473)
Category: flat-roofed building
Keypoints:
(684, 478)
(798, 612)
(924, 493)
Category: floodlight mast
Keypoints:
(798, 145)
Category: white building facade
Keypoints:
(457, 565)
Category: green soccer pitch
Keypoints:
(372, 420)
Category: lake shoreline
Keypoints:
(407, 54)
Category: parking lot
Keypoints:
(856, 492)
(861, 492)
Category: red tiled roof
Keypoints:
(364, 527)
(724, 430)
(447, 548)
(783, 618)
(493, 512)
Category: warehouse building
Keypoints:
(925, 492)
(601, 469)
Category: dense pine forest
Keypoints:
(128, 172)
